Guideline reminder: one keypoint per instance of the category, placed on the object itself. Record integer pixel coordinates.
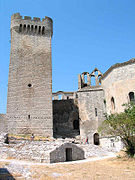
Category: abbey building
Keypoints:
(31, 105)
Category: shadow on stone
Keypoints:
(65, 118)
(67, 152)
(5, 174)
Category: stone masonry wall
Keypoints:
(91, 111)
(117, 84)
(48, 151)
(111, 143)
(59, 154)
(29, 102)
(64, 114)
(2, 123)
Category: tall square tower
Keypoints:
(29, 102)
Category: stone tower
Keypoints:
(29, 103)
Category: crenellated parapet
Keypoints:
(89, 79)
(32, 26)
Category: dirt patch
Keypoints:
(113, 168)
(108, 169)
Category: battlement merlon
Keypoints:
(35, 22)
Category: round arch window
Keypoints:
(112, 103)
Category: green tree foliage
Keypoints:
(122, 125)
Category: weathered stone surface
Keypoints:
(4, 138)
(29, 101)
(90, 102)
(19, 169)
(49, 151)
(65, 113)
(60, 154)
(3, 123)
(118, 83)
(111, 143)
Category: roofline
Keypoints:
(62, 92)
(131, 61)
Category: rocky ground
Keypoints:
(39, 151)
(107, 169)
(35, 152)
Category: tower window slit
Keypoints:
(112, 103)
(35, 29)
(31, 28)
(96, 112)
(20, 28)
(43, 30)
(28, 28)
(39, 30)
(24, 27)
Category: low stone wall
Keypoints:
(112, 143)
(38, 151)
(49, 151)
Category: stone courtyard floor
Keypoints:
(114, 168)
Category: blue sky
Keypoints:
(87, 34)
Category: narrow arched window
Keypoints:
(96, 112)
(31, 28)
(39, 30)
(35, 29)
(43, 30)
(112, 103)
(99, 81)
(96, 139)
(28, 28)
(20, 28)
(24, 27)
(85, 78)
(93, 80)
(131, 96)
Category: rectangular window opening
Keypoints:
(96, 112)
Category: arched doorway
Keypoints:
(112, 103)
(131, 96)
(76, 124)
(96, 139)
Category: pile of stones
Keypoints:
(39, 151)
